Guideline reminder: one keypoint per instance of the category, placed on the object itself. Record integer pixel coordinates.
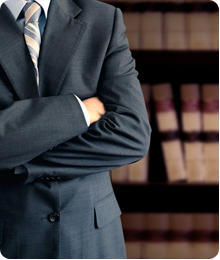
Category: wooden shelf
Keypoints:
(177, 58)
(142, 6)
(177, 66)
(164, 197)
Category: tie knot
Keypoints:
(32, 12)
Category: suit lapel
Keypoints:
(61, 38)
(15, 58)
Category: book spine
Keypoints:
(210, 118)
(215, 235)
(133, 226)
(192, 128)
(202, 240)
(169, 131)
(214, 20)
(120, 175)
(132, 23)
(151, 31)
(175, 31)
(198, 29)
(180, 236)
(155, 237)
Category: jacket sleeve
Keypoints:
(30, 127)
(120, 137)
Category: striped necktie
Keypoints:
(32, 35)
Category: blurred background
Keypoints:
(169, 199)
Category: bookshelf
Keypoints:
(175, 67)
(158, 193)
(167, 219)
(154, 207)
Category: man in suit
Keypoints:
(71, 109)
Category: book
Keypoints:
(214, 27)
(202, 242)
(155, 238)
(169, 130)
(119, 175)
(175, 31)
(138, 171)
(215, 235)
(133, 226)
(132, 23)
(210, 120)
(192, 128)
(199, 31)
(151, 30)
(180, 236)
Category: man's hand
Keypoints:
(95, 108)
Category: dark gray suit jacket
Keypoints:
(65, 206)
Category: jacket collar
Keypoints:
(63, 33)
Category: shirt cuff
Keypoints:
(85, 112)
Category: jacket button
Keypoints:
(53, 217)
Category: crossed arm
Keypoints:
(117, 137)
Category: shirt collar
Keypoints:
(16, 6)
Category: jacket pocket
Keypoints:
(106, 210)
(1, 231)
